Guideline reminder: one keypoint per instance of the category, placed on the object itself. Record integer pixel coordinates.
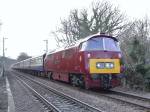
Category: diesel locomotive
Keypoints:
(93, 62)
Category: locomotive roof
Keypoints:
(96, 35)
(78, 42)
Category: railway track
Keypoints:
(130, 95)
(126, 98)
(56, 101)
(130, 98)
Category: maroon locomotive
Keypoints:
(93, 62)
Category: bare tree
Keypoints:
(102, 17)
(23, 56)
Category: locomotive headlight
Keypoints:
(109, 65)
(100, 65)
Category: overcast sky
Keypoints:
(26, 23)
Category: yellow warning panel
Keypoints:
(104, 66)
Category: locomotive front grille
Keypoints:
(104, 65)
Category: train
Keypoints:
(92, 62)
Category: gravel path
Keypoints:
(3, 95)
(23, 99)
(100, 102)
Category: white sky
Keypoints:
(26, 23)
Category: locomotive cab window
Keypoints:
(95, 44)
(111, 45)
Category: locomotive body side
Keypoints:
(59, 65)
(81, 64)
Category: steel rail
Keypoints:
(83, 104)
(130, 95)
(50, 106)
(121, 100)
(126, 101)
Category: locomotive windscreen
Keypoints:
(99, 43)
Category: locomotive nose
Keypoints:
(104, 65)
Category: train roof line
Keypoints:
(28, 59)
(76, 43)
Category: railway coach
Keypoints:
(31, 65)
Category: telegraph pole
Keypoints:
(1, 58)
(3, 47)
(46, 42)
(3, 70)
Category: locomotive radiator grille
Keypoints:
(104, 65)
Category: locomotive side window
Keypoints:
(68, 53)
(50, 56)
(63, 54)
